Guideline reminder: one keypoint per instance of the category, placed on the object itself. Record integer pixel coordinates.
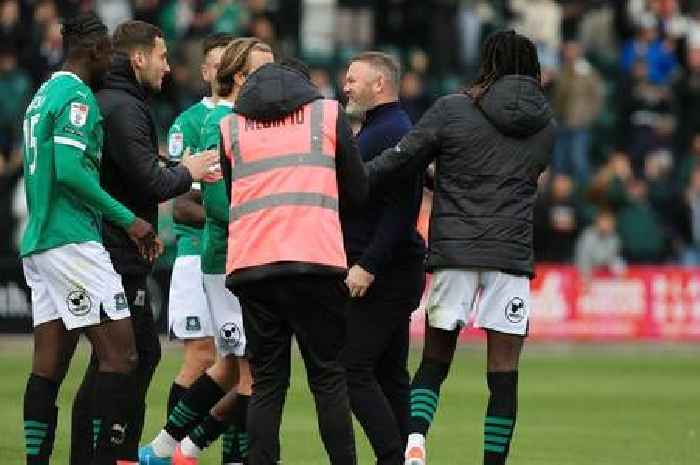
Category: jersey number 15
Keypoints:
(30, 141)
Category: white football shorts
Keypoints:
(498, 301)
(188, 313)
(75, 283)
(227, 316)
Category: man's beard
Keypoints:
(356, 108)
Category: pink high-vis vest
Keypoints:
(284, 191)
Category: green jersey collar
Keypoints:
(206, 101)
(225, 103)
(66, 73)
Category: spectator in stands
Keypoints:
(10, 174)
(599, 246)
(686, 90)
(16, 88)
(657, 52)
(578, 98)
(645, 115)
(686, 165)
(322, 80)
(658, 173)
(413, 95)
(49, 55)
(12, 32)
(640, 228)
(690, 256)
(558, 221)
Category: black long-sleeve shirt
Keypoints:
(131, 171)
(383, 233)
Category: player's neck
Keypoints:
(77, 68)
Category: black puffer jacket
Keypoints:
(130, 171)
(488, 158)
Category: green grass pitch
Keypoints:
(579, 405)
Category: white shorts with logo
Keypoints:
(75, 283)
(188, 313)
(499, 301)
(227, 316)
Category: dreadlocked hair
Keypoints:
(504, 53)
(82, 33)
(235, 59)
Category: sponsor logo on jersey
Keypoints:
(515, 310)
(192, 324)
(231, 334)
(78, 114)
(175, 144)
(79, 302)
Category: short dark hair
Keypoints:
(131, 35)
(504, 53)
(384, 62)
(297, 65)
(82, 33)
(216, 40)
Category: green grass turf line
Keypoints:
(617, 405)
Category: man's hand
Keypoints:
(143, 234)
(200, 164)
(358, 281)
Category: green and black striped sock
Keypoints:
(193, 407)
(96, 427)
(207, 432)
(243, 445)
(40, 415)
(500, 416)
(229, 446)
(425, 394)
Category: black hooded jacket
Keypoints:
(271, 93)
(131, 172)
(488, 157)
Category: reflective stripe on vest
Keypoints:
(284, 193)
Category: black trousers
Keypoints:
(312, 309)
(148, 348)
(375, 358)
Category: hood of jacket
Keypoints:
(121, 76)
(274, 91)
(516, 106)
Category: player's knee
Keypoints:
(120, 361)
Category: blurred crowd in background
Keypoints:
(623, 78)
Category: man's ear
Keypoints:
(239, 79)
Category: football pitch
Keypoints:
(579, 405)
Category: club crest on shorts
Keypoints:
(515, 310)
(192, 324)
(118, 434)
(78, 114)
(231, 334)
(79, 302)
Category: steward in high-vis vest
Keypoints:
(290, 162)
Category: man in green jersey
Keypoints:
(192, 413)
(188, 313)
(74, 285)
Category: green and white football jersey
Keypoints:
(185, 133)
(215, 237)
(63, 112)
